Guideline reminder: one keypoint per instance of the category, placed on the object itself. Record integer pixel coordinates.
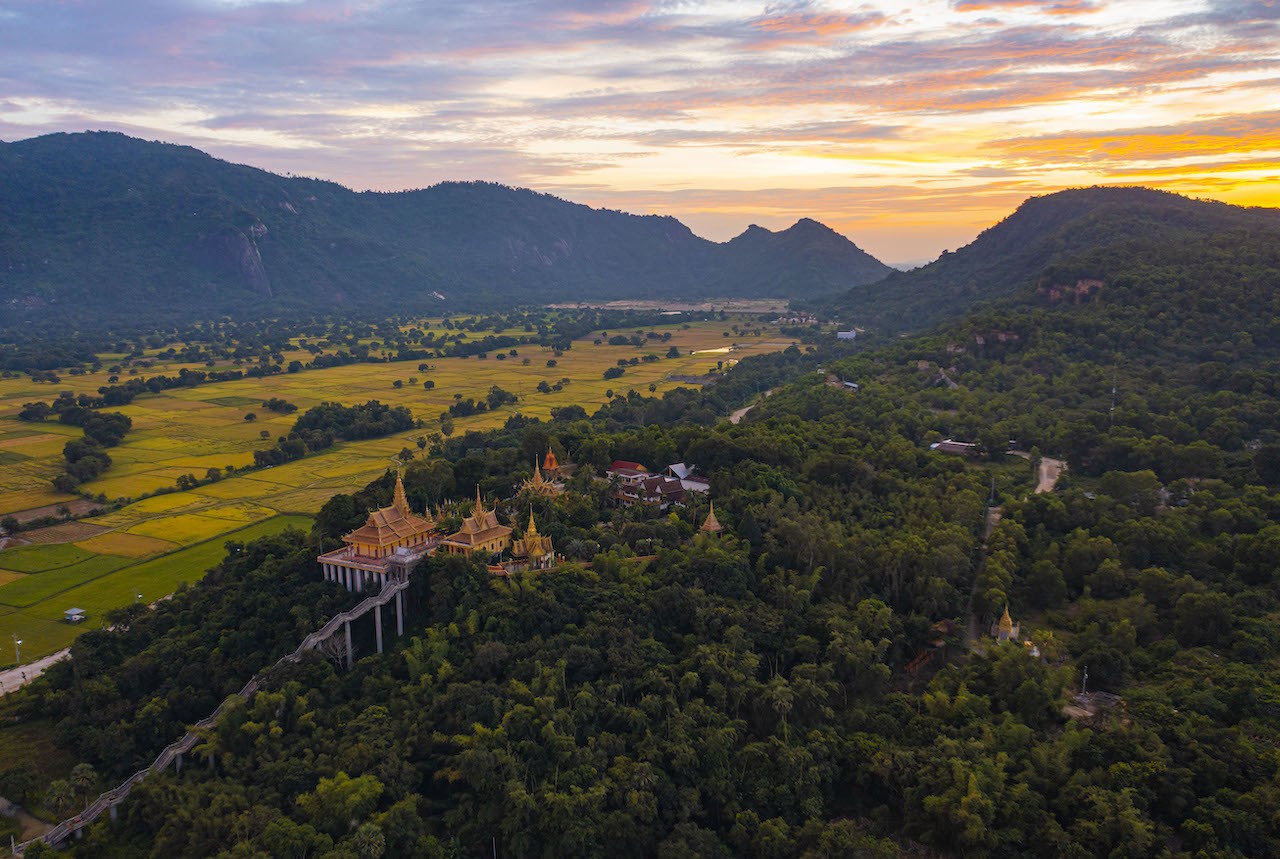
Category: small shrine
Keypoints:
(533, 551)
(480, 532)
(1007, 630)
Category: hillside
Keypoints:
(1055, 246)
(101, 223)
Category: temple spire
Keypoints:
(537, 473)
(479, 509)
(398, 500)
(533, 528)
(1005, 629)
(711, 524)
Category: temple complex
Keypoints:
(480, 532)
(390, 542)
(533, 551)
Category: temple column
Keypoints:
(377, 626)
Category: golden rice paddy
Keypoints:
(193, 430)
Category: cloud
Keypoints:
(1049, 7)
(1238, 134)
(776, 101)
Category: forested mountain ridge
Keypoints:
(103, 223)
(1056, 247)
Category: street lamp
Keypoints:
(17, 652)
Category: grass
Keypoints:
(126, 545)
(37, 559)
(31, 742)
(42, 629)
(32, 589)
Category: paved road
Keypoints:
(16, 678)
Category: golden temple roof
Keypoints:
(1006, 623)
(388, 525)
(480, 526)
(533, 544)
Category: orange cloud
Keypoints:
(1252, 132)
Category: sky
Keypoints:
(908, 126)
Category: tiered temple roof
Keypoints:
(389, 527)
(538, 486)
(480, 531)
(532, 544)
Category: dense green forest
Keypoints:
(1062, 244)
(821, 679)
(99, 227)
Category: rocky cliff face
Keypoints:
(237, 253)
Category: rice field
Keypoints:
(192, 430)
(31, 606)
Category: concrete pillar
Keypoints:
(399, 613)
(350, 661)
(377, 625)
(177, 763)
(111, 810)
(346, 573)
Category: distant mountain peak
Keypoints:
(100, 224)
(1067, 237)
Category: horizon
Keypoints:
(907, 127)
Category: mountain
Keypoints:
(1066, 244)
(101, 223)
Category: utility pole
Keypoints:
(1084, 684)
(17, 652)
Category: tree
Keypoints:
(83, 777)
(250, 416)
(59, 795)
(369, 841)
(339, 803)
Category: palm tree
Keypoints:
(84, 778)
(60, 795)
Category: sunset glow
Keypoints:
(908, 126)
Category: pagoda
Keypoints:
(538, 486)
(390, 542)
(480, 532)
(1006, 629)
(555, 469)
(533, 551)
(711, 524)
